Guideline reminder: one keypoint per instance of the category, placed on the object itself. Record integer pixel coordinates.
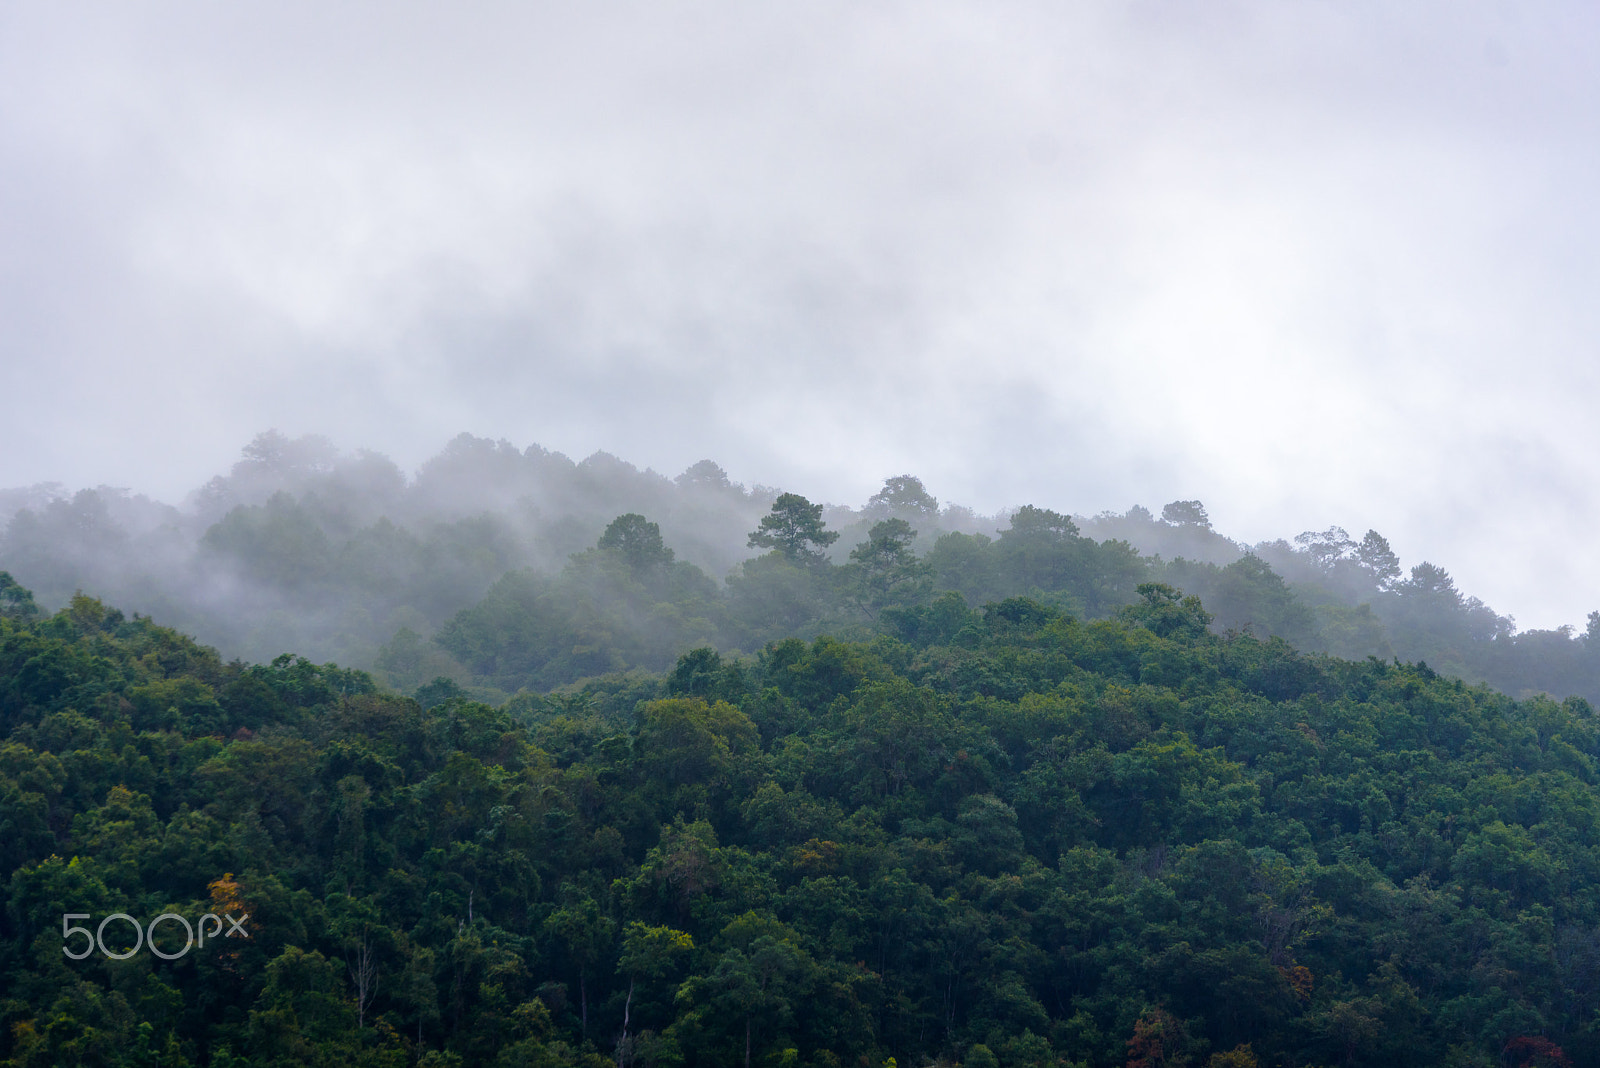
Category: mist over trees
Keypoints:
(681, 772)
(505, 569)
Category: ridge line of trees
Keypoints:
(342, 557)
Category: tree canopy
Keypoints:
(794, 528)
(904, 494)
(1013, 836)
(342, 556)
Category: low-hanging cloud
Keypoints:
(1313, 264)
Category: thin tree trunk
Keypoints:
(747, 1042)
(364, 977)
(583, 999)
(622, 1046)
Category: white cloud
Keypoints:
(1314, 263)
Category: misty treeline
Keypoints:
(502, 569)
(1015, 839)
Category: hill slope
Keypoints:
(1019, 838)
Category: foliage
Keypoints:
(1012, 835)
(343, 557)
(794, 528)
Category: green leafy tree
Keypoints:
(637, 541)
(1186, 513)
(704, 475)
(648, 954)
(1031, 523)
(1159, 1040)
(1167, 612)
(15, 601)
(586, 934)
(278, 543)
(904, 494)
(887, 571)
(794, 528)
(1378, 560)
(692, 753)
(1326, 547)
(756, 983)
(1248, 593)
(301, 1009)
(1043, 551)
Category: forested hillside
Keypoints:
(1009, 836)
(506, 569)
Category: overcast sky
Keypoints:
(1311, 263)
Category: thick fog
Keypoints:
(501, 570)
(1320, 263)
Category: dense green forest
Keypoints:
(1011, 835)
(502, 569)
(622, 769)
